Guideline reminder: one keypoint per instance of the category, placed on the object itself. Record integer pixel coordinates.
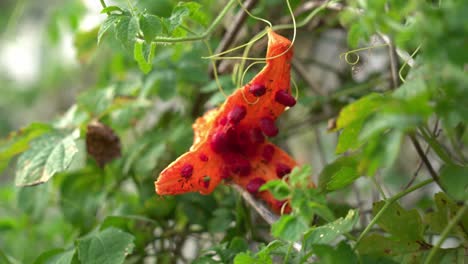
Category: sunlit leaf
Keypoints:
(110, 21)
(126, 30)
(18, 142)
(48, 155)
(329, 232)
(151, 26)
(289, 228)
(359, 110)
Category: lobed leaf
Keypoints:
(400, 223)
(109, 246)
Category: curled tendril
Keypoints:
(355, 52)
(406, 62)
(263, 33)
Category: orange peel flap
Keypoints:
(230, 142)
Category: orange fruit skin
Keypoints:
(227, 145)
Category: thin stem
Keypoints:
(103, 4)
(425, 160)
(387, 204)
(446, 232)
(205, 35)
(379, 188)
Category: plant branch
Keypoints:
(264, 212)
(425, 160)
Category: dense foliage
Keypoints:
(380, 124)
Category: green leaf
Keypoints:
(309, 202)
(354, 35)
(380, 151)
(278, 188)
(81, 194)
(402, 224)
(244, 258)
(221, 220)
(383, 121)
(413, 88)
(34, 200)
(331, 231)
(349, 137)
(343, 253)
(110, 21)
(145, 64)
(194, 11)
(50, 154)
(455, 180)
(289, 228)
(18, 142)
(301, 176)
(161, 83)
(110, 246)
(359, 110)
(445, 210)
(340, 173)
(126, 31)
(376, 244)
(151, 26)
(56, 256)
(177, 17)
(97, 101)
